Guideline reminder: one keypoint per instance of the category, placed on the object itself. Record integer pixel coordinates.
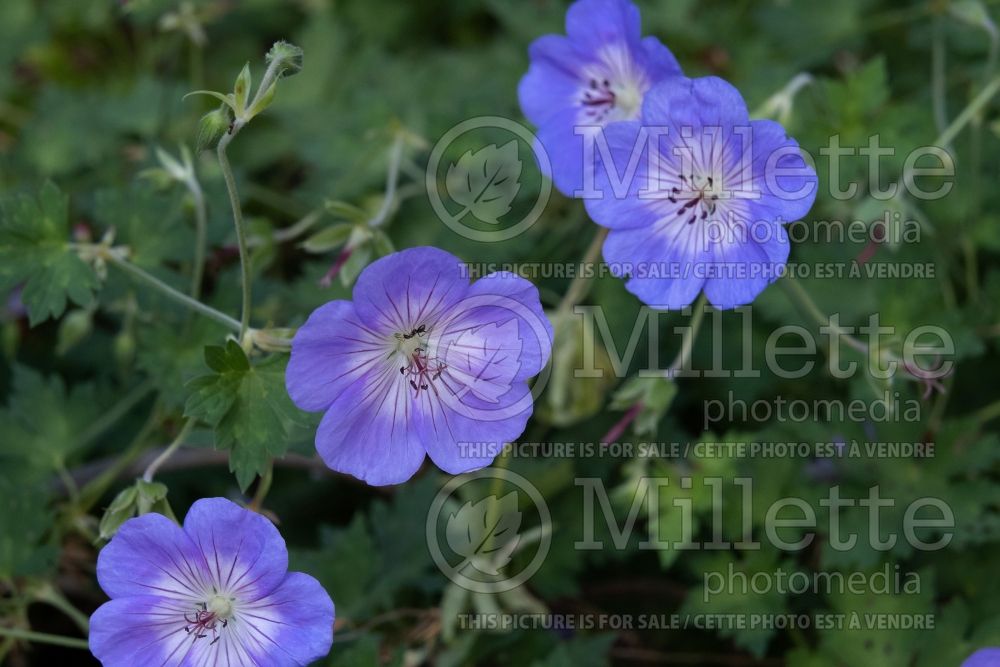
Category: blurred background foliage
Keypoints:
(89, 90)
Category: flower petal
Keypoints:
(329, 352)
(660, 62)
(139, 631)
(401, 291)
(293, 625)
(369, 431)
(566, 149)
(620, 177)
(663, 262)
(467, 435)
(703, 102)
(497, 299)
(788, 186)
(552, 82)
(984, 657)
(594, 23)
(151, 555)
(246, 554)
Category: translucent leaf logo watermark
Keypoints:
(485, 532)
(489, 531)
(476, 181)
(485, 182)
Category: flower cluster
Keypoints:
(215, 592)
(695, 194)
(421, 362)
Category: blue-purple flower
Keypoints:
(697, 196)
(984, 657)
(420, 362)
(595, 75)
(215, 592)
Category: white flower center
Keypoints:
(220, 607)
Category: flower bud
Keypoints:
(124, 349)
(74, 327)
(288, 56)
(212, 126)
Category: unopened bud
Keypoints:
(212, 126)
(74, 328)
(288, 56)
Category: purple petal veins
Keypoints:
(420, 363)
(596, 75)
(697, 196)
(215, 592)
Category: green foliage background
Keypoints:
(95, 372)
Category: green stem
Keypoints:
(502, 462)
(391, 181)
(119, 410)
(72, 490)
(938, 96)
(201, 234)
(263, 487)
(989, 413)
(169, 451)
(802, 299)
(687, 342)
(93, 491)
(51, 596)
(241, 236)
(45, 638)
(181, 298)
(296, 230)
(968, 113)
(578, 288)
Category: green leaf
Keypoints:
(485, 182)
(248, 406)
(241, 90)
(121, 509)
(34, 249)
(24, 523)
(148, 222)
(346, 563)
(44, 424)
(480, 531)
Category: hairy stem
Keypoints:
(116, 259)
(241, 236)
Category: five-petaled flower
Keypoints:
(215, 592)
(596, 75)
(421, 362)
(697, 196)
